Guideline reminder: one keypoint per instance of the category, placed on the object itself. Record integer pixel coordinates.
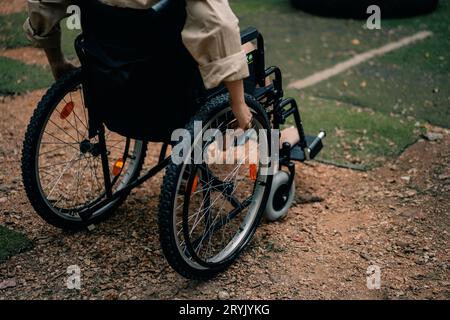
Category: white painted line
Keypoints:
(358, 59)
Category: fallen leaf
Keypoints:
(432, 136)
(9, 283)
(406, 179)
(297, 238)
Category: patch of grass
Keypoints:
(412, 81)
(401, 87)
(18, 77)
(11, 33)
(68, 39)
(392, 88)
(11, 243)
(356, 135)
(250, 6)
(301, 44)
(271, 246)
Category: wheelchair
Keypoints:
(75, 176)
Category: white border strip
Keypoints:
(358, 59)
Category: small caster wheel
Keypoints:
(280, 197)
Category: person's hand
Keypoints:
(61, 68)
(240, 109)
(243, 115)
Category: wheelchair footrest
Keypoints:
(314, 144)
(297, 153)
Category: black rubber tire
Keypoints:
(169, 191)
(272, 213)
(47, 104)
(357, 9)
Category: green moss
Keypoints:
(355, 135)
(412, 81)
(11, 243)
(17, 77)
(250, 6)
(11, 33)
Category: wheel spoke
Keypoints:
(219, 210)
(72, 183)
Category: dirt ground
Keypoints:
(395, 217)
(26, 54)
(12, 6)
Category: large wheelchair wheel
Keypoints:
(209, 211)
(61, 167)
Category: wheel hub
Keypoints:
(86, 146)
(281, 197)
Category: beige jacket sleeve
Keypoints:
(42, 24)
(211, 34)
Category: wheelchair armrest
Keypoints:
(249, 34)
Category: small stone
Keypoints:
(9, 283)
(364, 255)
(223, 295)
(3, 200)
(393, 167)
(407, 179)
(5, 188)
(308, 198)
(433, 136)
(410, 193)
(401, 244)
(111, 294)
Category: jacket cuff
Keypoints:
(52, 40)
(231, 68)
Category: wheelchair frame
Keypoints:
(271, 98)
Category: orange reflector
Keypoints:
(194, 184)
(67, 110)
(253, 171)
(117, 168)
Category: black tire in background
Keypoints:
(356, 9)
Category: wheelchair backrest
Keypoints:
(139, 81)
